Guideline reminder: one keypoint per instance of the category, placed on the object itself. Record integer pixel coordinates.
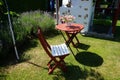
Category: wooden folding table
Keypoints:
(71, 31)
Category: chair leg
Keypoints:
(52, 68)
(49, 63)
(60, 63)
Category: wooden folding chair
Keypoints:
(57, 53)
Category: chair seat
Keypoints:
(59, 50)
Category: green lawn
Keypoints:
(95, 59)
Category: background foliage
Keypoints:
(24, 27)
(27, 5)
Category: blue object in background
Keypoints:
(52, 5)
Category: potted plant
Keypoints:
(67, 19)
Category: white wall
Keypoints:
(83, 10)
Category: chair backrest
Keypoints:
(43, 42)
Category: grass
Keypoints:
(96, 59)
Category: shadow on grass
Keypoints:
(89, 59)
(27, 45)
(11, 58)
(36, 65)
(82, 46)
(76, 73)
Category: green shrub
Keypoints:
(35, 19)
(103, 22)
(22, 26)
(6, 41)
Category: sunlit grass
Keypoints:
(36, 67)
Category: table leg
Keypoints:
(77, 39)
(70, 38)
